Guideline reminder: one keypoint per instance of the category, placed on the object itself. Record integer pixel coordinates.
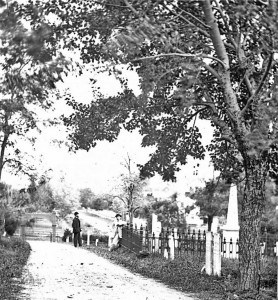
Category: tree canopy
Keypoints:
(30, 67)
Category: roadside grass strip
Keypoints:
(14, 254)
(184, 274)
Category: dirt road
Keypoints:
(57, 271)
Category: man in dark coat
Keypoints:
(76, 230)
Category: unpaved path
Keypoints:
(57, 271)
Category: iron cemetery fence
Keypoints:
(186, 242)
(132, 238)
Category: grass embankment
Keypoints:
(184, 274)
(13, 257)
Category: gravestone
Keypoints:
(231, 229)
(156, 230)
(215, 224)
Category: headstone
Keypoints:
(172, 247)
(215, 224)
(231, 229)
(166, 255)
(154, 221)
(156, 230)
(176, 237)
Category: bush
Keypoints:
(31, 222)
(11, 225)
(67, 233)
(13, 257)
(99, 204)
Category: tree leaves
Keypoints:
(31, 66)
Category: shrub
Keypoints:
(67, 233)
(99, 204)
(31, 222)
(11, 225)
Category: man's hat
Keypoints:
(118, 215)
(76, 213)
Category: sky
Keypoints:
(100, 167)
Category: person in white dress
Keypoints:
(117, 232)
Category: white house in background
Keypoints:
(193, 219)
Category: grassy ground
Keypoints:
(184, 274)
(13, 257)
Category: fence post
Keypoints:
(208, 253)
(147, 242)
(54, 221)
(22, 232)
(154, 247)
(216, 255)
(141, 238)
(88, 238)
(162, 241)
(179, 242)
(172, 247)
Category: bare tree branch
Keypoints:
(122, 199)
(192, 16)
(248, 84)
(205, 33)
(225, 22)
(215, 35)
(212, 71)
(226, 132)
(181, 55)
(136, 208)
(131, 7)
(260, 86)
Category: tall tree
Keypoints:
(212, 199)
(30, 67)
(211, 59)
(86, 196)
(4, 197)
(130, 189)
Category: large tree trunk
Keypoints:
(2, 152)
(250, 225)
(2, 219)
